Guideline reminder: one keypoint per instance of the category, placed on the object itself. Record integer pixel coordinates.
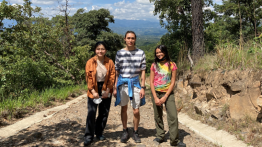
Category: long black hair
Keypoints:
(99, 43)
(164, 50)
(132, 33)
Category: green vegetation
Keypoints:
(232, 40)
(230, 56)
(38, 53)
(35, 100)
(232, 30)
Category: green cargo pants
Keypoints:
(171, 117)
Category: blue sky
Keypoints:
(121, 9)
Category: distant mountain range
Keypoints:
(140, 27)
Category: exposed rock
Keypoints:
(253, 94)
(215, 78)
(195, 81)
(179, 84)
(185, 83)
(140, 145)
(256, 84)
(238, 86)
(201, 108)
(212, 90)
(240, 106)
(197, 107)
(259, 116)
(259, 101)
(217, 93)
(243, 75)
(189, 92)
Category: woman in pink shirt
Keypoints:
(162, 81)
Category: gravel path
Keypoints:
(66, 128)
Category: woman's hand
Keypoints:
(96, 95)
(115, 92)
(158, 102)
(105, 94)
(163, 100)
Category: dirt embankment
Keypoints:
(229, 100)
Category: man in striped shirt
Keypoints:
(130, 63)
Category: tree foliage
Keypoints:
(89, 25)
(249, 12)
(37, 53)
(233, 21)
(178, 16)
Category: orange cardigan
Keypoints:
(91, 80)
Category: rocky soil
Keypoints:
(66, 128)
(229, 100)
(211, 91)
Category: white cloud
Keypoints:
(120, 4)
(123, 9)
(211, 8)
(43, 2)
(218, 2)
(16, 1)
(146, 2)
(138, 10)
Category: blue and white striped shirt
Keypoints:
(130, 63)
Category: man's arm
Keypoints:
(143, 80)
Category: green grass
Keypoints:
(11, 106)
(228, 56)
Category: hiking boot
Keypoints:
(87, 142)
(125, 136)
(100, 137)
(180, 144)
(136, 137)
(157, 141)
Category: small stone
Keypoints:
(44, 115)
(141, 145)
(38, 135)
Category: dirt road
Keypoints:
(66, 128)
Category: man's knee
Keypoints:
(136, 112)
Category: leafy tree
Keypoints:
(178, 16)
(33, 52)
(245, 12)
(92, 26)
(89, 25)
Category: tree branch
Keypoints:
(190, 59)
(59, 65)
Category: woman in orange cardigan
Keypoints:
(100, 77)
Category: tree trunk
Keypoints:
(240, 29)
(255, 22)
(197, 29)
